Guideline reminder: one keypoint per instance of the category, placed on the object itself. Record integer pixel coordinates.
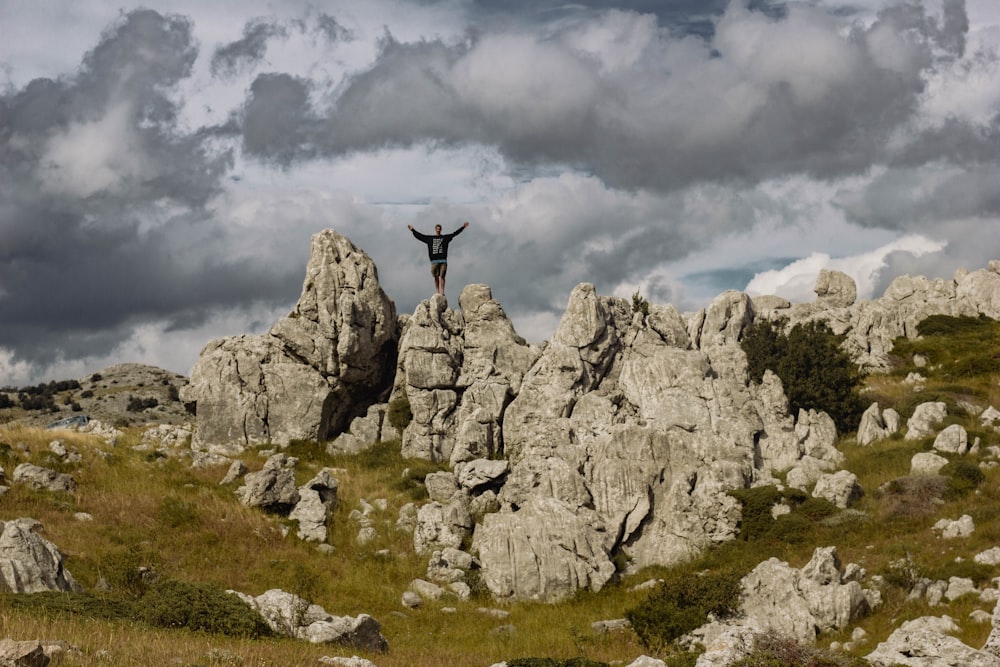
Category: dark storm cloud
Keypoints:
(238, 56)
(103, 197)
(332, 29)
(764, 97)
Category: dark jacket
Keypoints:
(437, 246)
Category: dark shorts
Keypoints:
(439, 270)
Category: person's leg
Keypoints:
(443, 272)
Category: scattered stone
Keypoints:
(949, 530)
(43, 478)
(988, 557)
(925, 419)
(237, 470)
(927, 463)
(614, 625)
(29, 563)
(952, 440)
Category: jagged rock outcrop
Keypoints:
(871, 326)
(324, 363)
(877, 424)
(927, 642)
(459, 371)
(624, 439)
(317, 501)
(619, 437)
(22, 654)
(778, 599)
(45, 479)
(273, 487)
(28, 562)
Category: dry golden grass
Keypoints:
(187, 527)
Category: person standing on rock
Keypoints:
(437, 251)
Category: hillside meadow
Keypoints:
(154, 518)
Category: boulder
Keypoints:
(44, 479)
(925, 420)
(543, 552)
(364, 432)
(317, 501)
(273, 487)
(927, 642)
(776, 598)
(927, 463)
(22, 654)
(289, 615)
(325, 362)
(442, 525)
(952, 440)
(835, 289)
(840, 488)
(29, 563)
(877, 424)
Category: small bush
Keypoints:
(400, 414)
(683, 602)
(306, 450)
(790, 529)
(175, 604)
(639, 304)
(817, 509)
(136, 404)
(757, 503)
(963, 477)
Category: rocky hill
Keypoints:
(630, 441)
(119, 395)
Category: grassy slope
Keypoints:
(181, 522)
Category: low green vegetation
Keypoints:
(814, 369)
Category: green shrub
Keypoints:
(682, 602)
(128, 572)
(814, 369)
(400, 414)
(136, 404)
(817, 509)
(980, 573)
(912, 497)
(306, 450)
(175, 604)
(757, 503)
(639, 304)
(963, 477)
(790, 528)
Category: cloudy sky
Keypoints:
(162, 166)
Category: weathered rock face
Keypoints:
(871, 326)
(459, 371)
(781, 600)
(28, 562)
(928, 641)
(624, 439)
(324, 363)
(289, 615)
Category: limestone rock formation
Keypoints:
(316, 368)
(927, 641)
(459, 371)
(778, 599)
(28, 562)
